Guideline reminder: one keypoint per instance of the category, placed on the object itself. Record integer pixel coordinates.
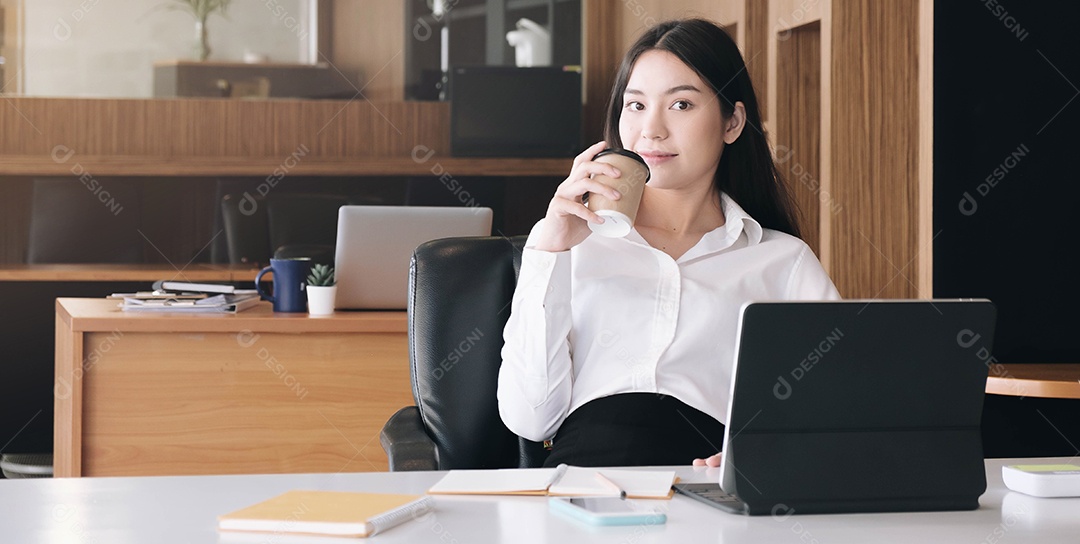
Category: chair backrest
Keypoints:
(72, 221)
(459, 300)
(246, 237)
(284, 225)
(304, 225)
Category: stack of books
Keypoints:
(172, 296)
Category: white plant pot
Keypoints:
(320, 299)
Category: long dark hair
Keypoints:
(746, 171)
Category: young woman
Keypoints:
(620, 350)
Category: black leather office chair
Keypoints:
(281, 225)
(75, 222)
(247, 239)
(459, 299)
(304, 225)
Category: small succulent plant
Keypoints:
(321, 276)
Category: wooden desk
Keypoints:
(1061, 381)
(254, 392)
(26, 392)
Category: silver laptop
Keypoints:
(375, 245)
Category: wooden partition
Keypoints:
(797, 132)
(377, 52)
(852, 125)
(874, 148)
(846, 90)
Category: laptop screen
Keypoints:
(375, 246)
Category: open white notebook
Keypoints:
(566, 481)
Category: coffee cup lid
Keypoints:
(629, 154)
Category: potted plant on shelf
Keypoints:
(201, 10)
(321, 290)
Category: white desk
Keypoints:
(184, 509)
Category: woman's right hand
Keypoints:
(565, 224)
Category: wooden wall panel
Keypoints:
(601, 60)
(798, 126)
(222, 137)
(875, 135)
(781, 17)
(755, 47)
(219, 128)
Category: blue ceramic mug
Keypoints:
(290, 284)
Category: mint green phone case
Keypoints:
(563, 506)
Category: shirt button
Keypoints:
(668, 308)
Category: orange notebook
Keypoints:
(332, 513)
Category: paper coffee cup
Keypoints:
(619, 215)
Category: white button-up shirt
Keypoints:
(616, 315)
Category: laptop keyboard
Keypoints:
(712, 495)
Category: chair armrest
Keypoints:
(407, 444)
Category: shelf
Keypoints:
(20, 165)
(124, 272)
(1054, 381)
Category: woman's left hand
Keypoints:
(712, 461)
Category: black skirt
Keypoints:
(635, 429)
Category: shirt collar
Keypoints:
(736, 219)
(736, 222)
(738, 225)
